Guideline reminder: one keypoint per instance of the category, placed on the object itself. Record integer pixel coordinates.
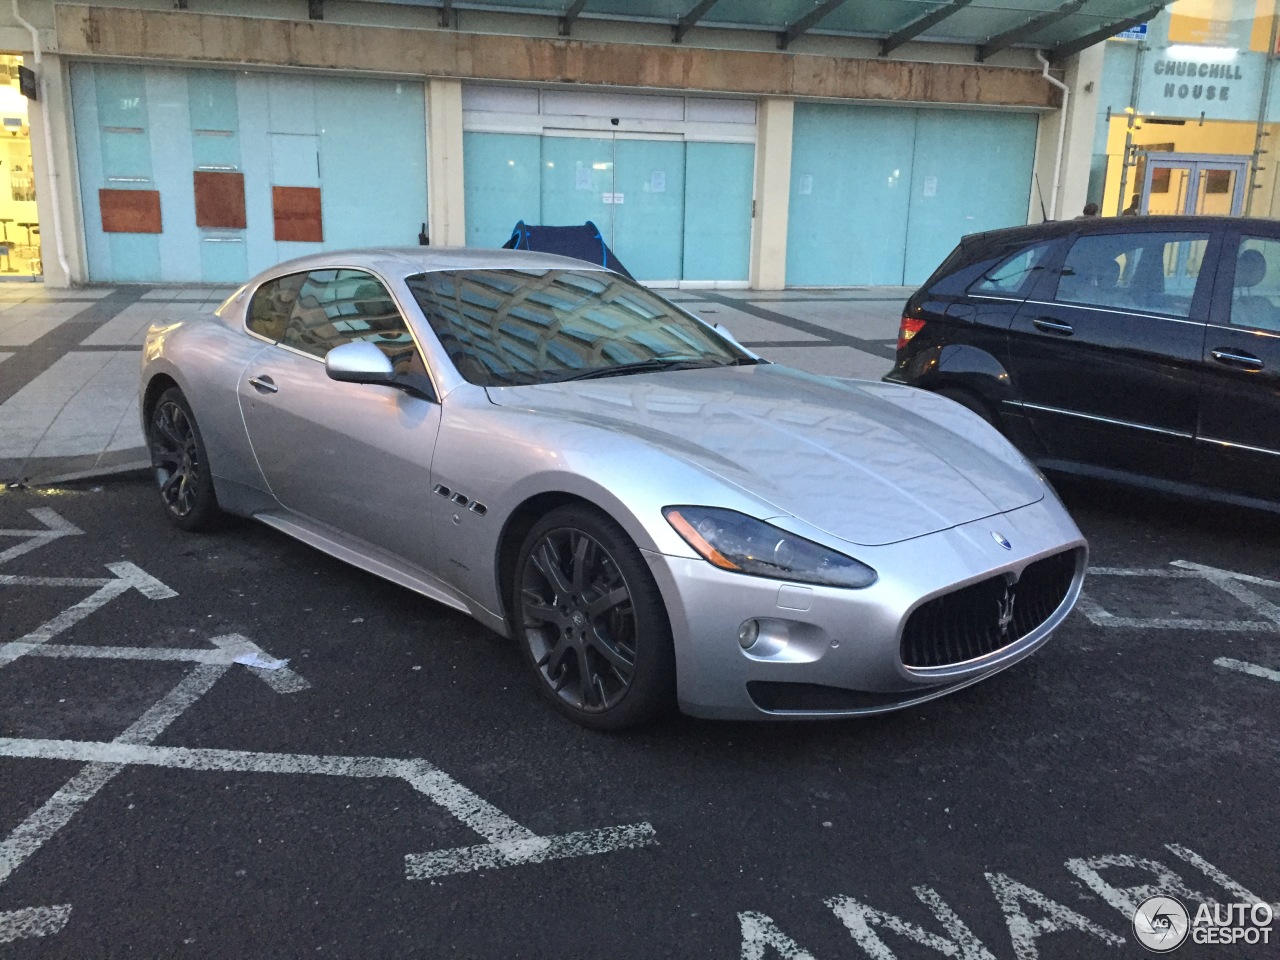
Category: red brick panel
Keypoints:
(130, 211)
(297, 213)
(219, 199)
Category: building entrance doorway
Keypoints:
(1193, 183)
(19, 224)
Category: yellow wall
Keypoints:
(17, 181)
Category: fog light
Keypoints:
(748, 632)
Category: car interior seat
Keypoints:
(1250, 309)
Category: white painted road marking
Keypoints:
(127, 577)
(509, 843)
(763, 939)
(33, 922)
(1252, 669)
(55, 527)
(1234, 584)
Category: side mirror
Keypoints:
(359, 362)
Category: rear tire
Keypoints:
(180, 463)
(590, 621)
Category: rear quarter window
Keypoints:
(1007, 269)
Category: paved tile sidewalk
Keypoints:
(69, 359)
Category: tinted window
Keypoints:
(272, 305)
(333, 307)
(1255, 292)
(1148, 272)
(508, 327)
(1014, 274)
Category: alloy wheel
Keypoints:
(579, 619)
(175, 458)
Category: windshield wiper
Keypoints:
(643, 366)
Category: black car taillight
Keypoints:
(908, 329)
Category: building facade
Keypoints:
(199, 142)
(1189, 114)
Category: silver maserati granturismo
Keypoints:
(656, 515)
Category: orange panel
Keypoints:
(297, 213)
(219, 199)
(130, 211)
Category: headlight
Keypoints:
(734, 541)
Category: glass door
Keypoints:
(1190, 183)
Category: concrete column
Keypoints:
(772, 194)
(57, 193)
(1083, 75)
(446, 212)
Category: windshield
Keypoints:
(514, 327)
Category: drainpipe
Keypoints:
(1062, 133)
(48, 147)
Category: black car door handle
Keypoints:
(264, 384)
(1244, 361)
(1054, 326)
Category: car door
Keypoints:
(356, 457)
(1238, 442)
(1105, 355)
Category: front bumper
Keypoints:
(828, 651)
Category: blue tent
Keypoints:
(583, 242)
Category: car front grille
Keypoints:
(985, 617)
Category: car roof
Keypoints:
(1090, 225)
(407, 261)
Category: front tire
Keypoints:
(590, 621)
(180, 463)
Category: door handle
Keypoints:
(1243, 361)
(1053, 326)
(264, 384)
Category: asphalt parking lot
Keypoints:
(168, 787)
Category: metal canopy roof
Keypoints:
(1062, 28)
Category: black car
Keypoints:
(1139, 349)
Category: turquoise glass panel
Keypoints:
(84, 106)
(717, 210)
(121, 96)
(373, 160)
(223, 261)
(577, 173)
(850, 177)
(295, 160)
(503, 185)
(215, 121)
(133, 258)
(648, 207)
(126, 154)
(212, 100)
(972, 172)
(170, 135)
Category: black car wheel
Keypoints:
(591, 622)
(180, 463)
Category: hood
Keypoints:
(866, 462)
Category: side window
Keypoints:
(272, 304)
(1147, 272)
(334, 307)
(1255, 292)
(1014, 274)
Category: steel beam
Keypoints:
(1002, 41)
(794, 30)
(686, 23)
(569, 16)
(920, 25)
(1064, 50)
